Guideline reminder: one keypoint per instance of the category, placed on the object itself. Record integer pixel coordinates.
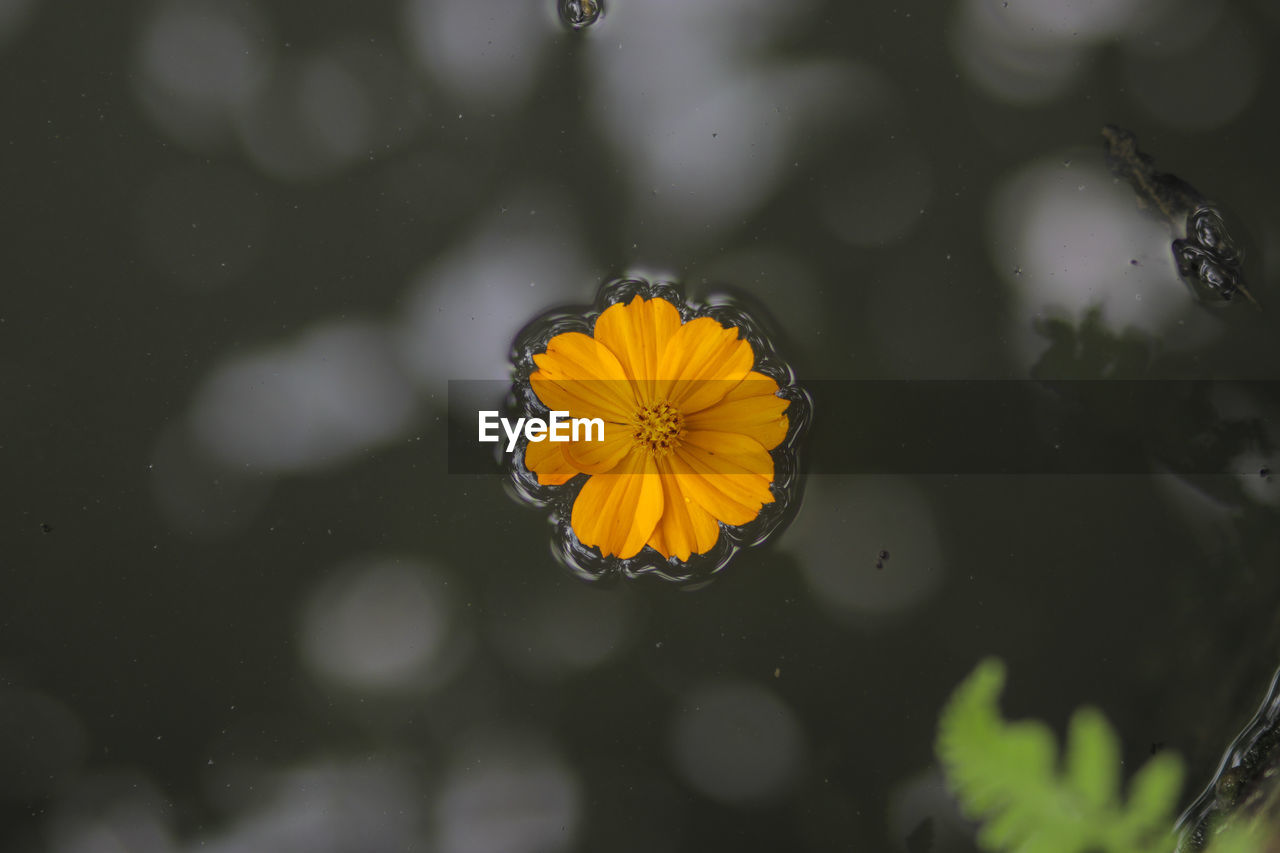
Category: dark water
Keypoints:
(243, 605)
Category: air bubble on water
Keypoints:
(587, 562)
(580, 14)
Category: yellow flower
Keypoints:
(688, 429)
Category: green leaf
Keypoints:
(1007, 776)
(1093, 759)
(1153, 787)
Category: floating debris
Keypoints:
(1206, 257)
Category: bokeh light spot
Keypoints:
(873, 514)
(384, 624)
(737, 743)
(329, 396)
(507, 794)
(198, 63)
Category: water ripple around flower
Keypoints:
(701, 426)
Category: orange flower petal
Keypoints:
(754, 384)
(579, 375)
(547, 460)
(751, 408)
(685, 528)
(702, 362)
(617, 512)
(657, 542)
(727, 474)
(599, 457)
(721, 469)
(637, 333)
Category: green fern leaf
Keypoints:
(1007, 775)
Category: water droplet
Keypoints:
(580, 13)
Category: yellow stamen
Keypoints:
(658, 428)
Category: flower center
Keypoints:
(658, 428)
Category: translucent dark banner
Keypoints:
(984, 427)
